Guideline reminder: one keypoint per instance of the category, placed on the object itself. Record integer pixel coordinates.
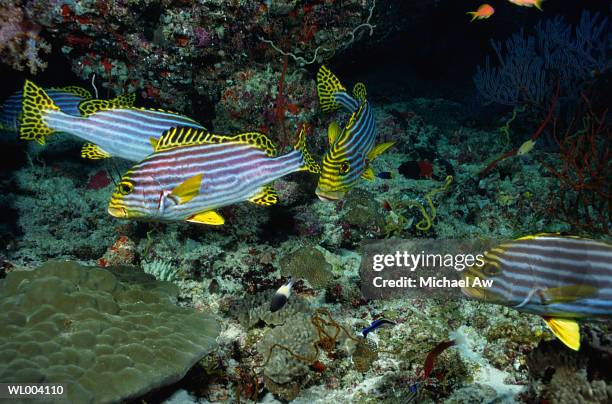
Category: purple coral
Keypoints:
(203, 37)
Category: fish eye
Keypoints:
(126, 188)
(344, 168)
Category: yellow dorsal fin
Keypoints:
(186, 136)
(566, 329)
(359, 92)
(35, 103)
(564, 294)
(90, 107)
(207, 217)
(94, 152)
(75, 90)
(266, 196)
(126, 100)
(153, 142)
(187, 190)
(333, 132)
(327, 86)
(378, 150)
(368, 174)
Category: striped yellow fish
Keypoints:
(193, 172)
(352, 149)
(112, 128)
(561, 278)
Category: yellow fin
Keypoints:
(187, 190)
(75, 90)
(35, 102)
(208, 217)
(570, 293)
(90, 107)
(186, 136)
(126, 100)
(566, 329)
(359, 92)
(94, 152)
(310, 164)
(327, 86)
(538, 4)
(333, 132)
(378, 150)
(266, 196)
(153, 142)
(368, 174)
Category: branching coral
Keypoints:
(20, 42)
(529, 66)
(584, 170)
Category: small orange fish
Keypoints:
(528, 3)
(483, 12)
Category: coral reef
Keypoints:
(307, 263)
(108, 336)
(20, 40)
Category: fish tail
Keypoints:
(473, 14)
(35, 103)
(538, 4)
(309, 163)
(327, 86)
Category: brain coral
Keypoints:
(307, 263)
(109, 335)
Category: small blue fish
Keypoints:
(385, 175)
(376, 324)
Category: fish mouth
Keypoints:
(329, 196)
(117, 212)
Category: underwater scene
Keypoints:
(305, 201)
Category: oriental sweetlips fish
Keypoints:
(352, 149)
(561, 278)
(112, 128)
(193, 172)
(66, 98)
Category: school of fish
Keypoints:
(183, 172)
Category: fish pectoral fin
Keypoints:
(569, 293)
(333, 132)
(94, 152)
(207, 217)
(368, 174)
(187, 190)
(153, 142)
(266, 196)
(378, 150)
(566, 329)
